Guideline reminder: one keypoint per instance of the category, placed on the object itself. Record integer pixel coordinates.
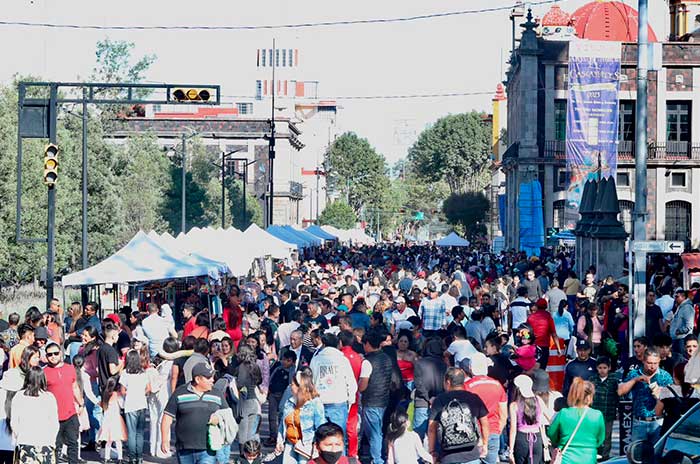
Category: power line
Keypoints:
(402, 19)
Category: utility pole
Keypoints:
(84, 181)
(318, 188)
(640, 187)
(184, 181)
(223, 190)
(272, 139)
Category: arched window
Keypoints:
(558, 220)
(678, 220)
(625, 217)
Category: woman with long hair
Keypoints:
(112, 430)
(564, 323)
(590, 327)
(36, 439)
(526, 424)
(302, 414)
(405, 357)
(233, 316)
(404, 446)
(135, 388)
(159, 377)
(578, 430)
(249, 379)
(253, 341)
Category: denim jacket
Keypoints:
(311, 417)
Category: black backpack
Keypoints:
(457, 427)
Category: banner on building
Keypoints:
(592, 117)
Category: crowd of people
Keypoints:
(390, 353)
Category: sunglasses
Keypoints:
(53, 353)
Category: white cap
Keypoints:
(524, 384)
(479, 364)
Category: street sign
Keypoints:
(658, 246)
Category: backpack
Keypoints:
(457, 427)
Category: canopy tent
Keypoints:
(284, 234)
(565, 235)
(318, 232)
(452, 240)
(309, 237)
(271, 245)
(144, 259)
(356, 236)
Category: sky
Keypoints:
(455, 54)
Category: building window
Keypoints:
(269, 56)
(626, 123)
(558, 219)
(623, 179)
(678, 179)
(562, 178)
(559, 119)
(263, 57)
(677, 128)
(625, 217)
(258, 89)
(244, 108)
(277, 57)
(678, 220)
(284, 57)
(291, 62)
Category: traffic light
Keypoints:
(50, 164)
(191, 95)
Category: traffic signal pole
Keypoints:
(184, 180)
(51, 204)
(272, 139)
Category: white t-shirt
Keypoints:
(461, 349)
(135, 385)
(156, 330)
(407, 449)
(400, 320)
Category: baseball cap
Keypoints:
(400, 299)
(583, 345)
(432, 287)
(114, 318)
(524, 384)
(202, 370)
(542, 304)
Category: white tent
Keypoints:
(356, 235)
(144, 259)
(267, 244)
(452, 240)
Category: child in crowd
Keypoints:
(606, 400)
(135, 387)
(113, 430)
(251, 453)
(405, 446)
(279, 381)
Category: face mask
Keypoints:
(331, 457)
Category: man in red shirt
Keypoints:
(188, 315)
(61, 382)
(346, 340)
(494, 397)
(543, 327)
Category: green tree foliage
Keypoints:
(338, 214)
(467, 210)
(358, 172)
(454, 150)
(253, 209)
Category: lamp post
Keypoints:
(245, 181)
(224, 156)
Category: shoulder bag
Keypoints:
(560, 456)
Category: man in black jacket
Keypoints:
(429, 374)
(583, 366)
(375, 386)
(303, 354)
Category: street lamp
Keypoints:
(245, 181)
(183, 207)
(223, 179)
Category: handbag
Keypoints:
(560, 456)
(307, 451)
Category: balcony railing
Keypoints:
(556, 149)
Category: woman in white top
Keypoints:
(405, 446)
(135, 388)
(36, 439)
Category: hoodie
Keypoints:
(333, 377)
(429, 373)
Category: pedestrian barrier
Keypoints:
(556, 366)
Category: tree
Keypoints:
(454, 150)
(338, 214)
(467, 210)
(357, 171)
(253, 210)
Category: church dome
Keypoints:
(556, 17)
(608, 20)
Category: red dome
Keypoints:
(556, 17)
(605, 20)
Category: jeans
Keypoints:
(69, 434)
(420, 421)
(289, 456)
(338, 414)
(196, 457)
(224, 454)
(273, 413)
(94, 413)
(135, 426)
(648, 431)
(492, 454)
(156, 404)
(372, 427)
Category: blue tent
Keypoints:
(311, 239)
(283, 234)
(531, 218)
(318, 232)
(145, 260)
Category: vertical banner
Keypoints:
(592, 117)
(625, 425)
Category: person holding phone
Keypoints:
(645, 385)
